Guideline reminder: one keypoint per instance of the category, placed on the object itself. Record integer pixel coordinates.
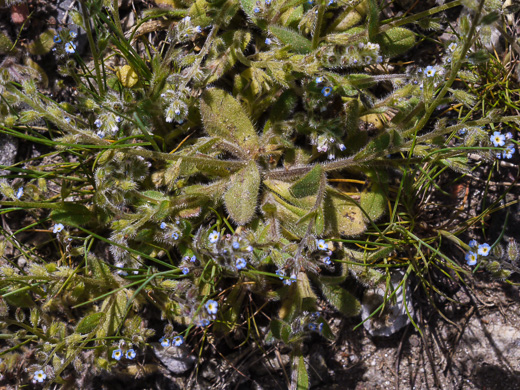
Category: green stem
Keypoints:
(453, 74)
(93, 47)
(317, 26)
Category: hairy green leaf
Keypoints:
(309, 184)
(89, 323)
(395, 41)
(341, 299)
(290, 37)
(224, 117)
(242, 195)
(71, 214)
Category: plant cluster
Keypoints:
(241, 154)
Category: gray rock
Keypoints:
(394, 316)
(8, 150)
(177, 360)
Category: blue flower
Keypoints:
(39, 376)
(430, 71)
(193, 259)
(249, 249)
(116, 354)
(319, 80)
(320, 327)
(509, 135)
(268, 41)
(178, 340)
(235, 245)
(510, 150)
(185, 270)
(70, 47)
(58, 228)
(241, 263)
(73, 34)
(267, 2)
(163, 225)
(211, 306)
(214, 236)
(56, 39)
(290, 281)
(322, 245)
(164, 342)
(498, 139)
(471, 258)
(280, 273)
(98, 123)
(483, 249)
(19, 193)
(256, 10)
(130, 354)
(473, 244)
(326, 91)
(175, 235)
(327, 260)
(204, 322)
(452, 47)
(312, 326)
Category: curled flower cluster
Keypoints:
(362, 54)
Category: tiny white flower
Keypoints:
(39, 376)
(212, 306)
(498, 139)
(58, 228)
(429, 71)
(70, 47)
(214, 236)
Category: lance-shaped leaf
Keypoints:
(341, 299)
(71, 214)
(224, 117)
(395, 41)
(290, 37)
(242, 195)
(299, 375)
(308, 184)
(373, 203)
(89, 323)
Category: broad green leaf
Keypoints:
(224, 117)
(5, 43)
(342, 216)
(309, 184)
(395, 41)
(290, 37)
(299, 375)
(71, 214)
(242, 195)
(341, 299)
(42, 44)
(373, 202)
(89, 323)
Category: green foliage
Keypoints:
(250, 155)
